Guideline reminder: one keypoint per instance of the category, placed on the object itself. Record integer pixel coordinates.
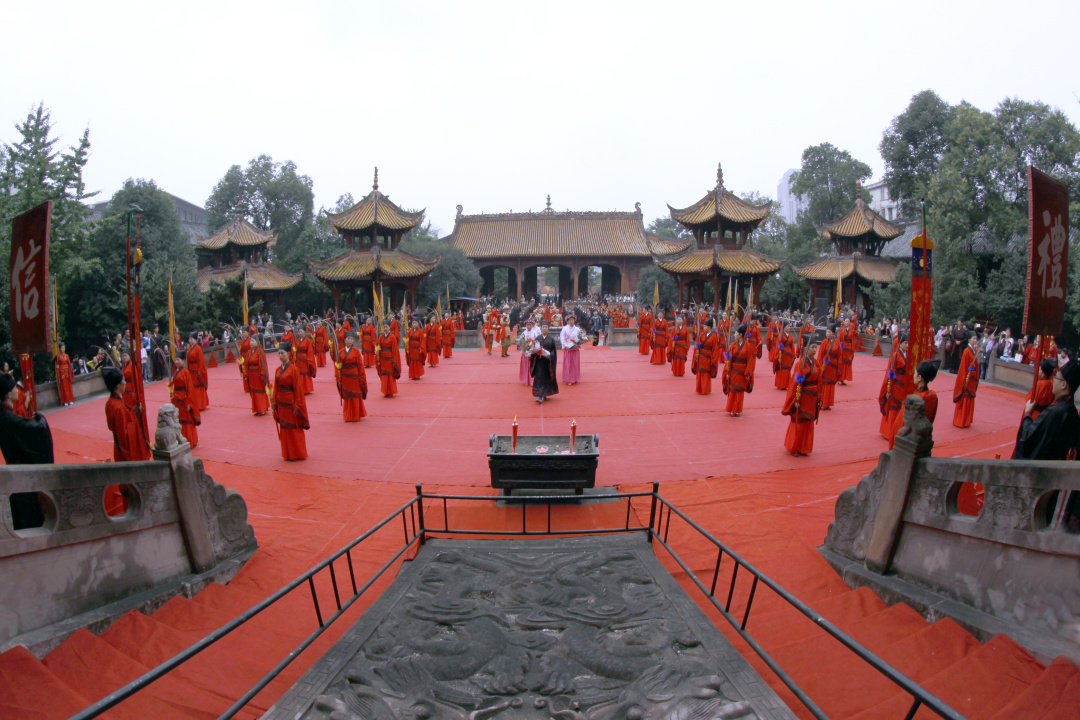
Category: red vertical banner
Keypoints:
(1048, 255)
(26, 365)
(29, 280)
(921, 336)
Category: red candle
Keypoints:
(513, 441)
(573, 435)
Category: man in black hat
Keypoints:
(23, 441)
(1055, 433)
(127, 440)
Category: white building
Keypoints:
(877, 196)
(790, 204)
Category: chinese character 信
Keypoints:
(1050, 261)
(23, 277)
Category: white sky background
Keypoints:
(494, 105)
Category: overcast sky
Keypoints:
(494, 105)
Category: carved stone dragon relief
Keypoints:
(856, 507)
(226, 516)
(570, 635)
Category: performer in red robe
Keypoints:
(289, 338)
(805, 331)
(196, 363)
(389, 366)
(122, 422)
(644, 331)
(894, 388)
(304, 352)
(1043, 392)
(737, 381)
(925, 372)
(660, 340)
(368, 340)
(321, 341)
(65, 375)
(449, 335)
(848, 335)
(487, 330)
(680, 345)
(753, 337)
(241, 362)
(706, 358)
(182, 388)
(353, 381)
(803, 403)
(416, 350)
(772, 340)
(129, 386)
(785, 359)
(828, 361)
(290, 408)
(432, 340)
(967, 384)
(257, 376)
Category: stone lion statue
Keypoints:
(917, 427)
(168, 434)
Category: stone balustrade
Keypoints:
(84, 568)
(1011, 569)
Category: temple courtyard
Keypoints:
(732, 475)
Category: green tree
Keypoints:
(651, 278)
(827, 180)
(913, 146)
(454, 269)
(271, 195)
(33, 171)
(667, 227)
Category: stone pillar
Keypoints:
(915, 440)
(192, 519)
(530, 281)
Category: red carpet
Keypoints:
(731, 475)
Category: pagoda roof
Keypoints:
(260, 276)
(868, 267)
(693, 261)
(718, 203)
(375, 209)
(861, 220)
(362, 264)
(237, 231)
(549, 233)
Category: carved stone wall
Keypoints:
(581, 629)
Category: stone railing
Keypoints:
(84, 568)
(1006, 570)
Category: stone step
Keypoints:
(32, 691)
(1054, 696)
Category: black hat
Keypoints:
(7, 383)
(352, 335)
(112, 377)
(903, 338)
(928, 370)
(1071, 373)
(741, 329)
(181, 355)
(285, 346)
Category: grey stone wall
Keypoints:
(179, 524)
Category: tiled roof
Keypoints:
(900, 246)
(868, 267)
(239, 232)
(260, 277)
(702, 260)
(860, 220)
(720, 202)
(361, 265)
(376, 209)
(549, 233)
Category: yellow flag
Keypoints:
(55, 323)
(438, 309)
(172, 324)
(245, 300)
(730, 281)
(376, 301)
(839, 287)
(656, 295)
(448, 296)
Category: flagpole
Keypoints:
(134, 329)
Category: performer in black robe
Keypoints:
(23, 442)
(542, 366)
(1056, 432)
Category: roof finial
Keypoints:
(376, 185)
(549, 201)
(719, 176)
(858, 189)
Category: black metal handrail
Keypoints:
(415, 532)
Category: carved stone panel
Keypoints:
(1010, 507)
(226, 518)
(79, 507)
(928, 495)
(581, 629)
(850, 532)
